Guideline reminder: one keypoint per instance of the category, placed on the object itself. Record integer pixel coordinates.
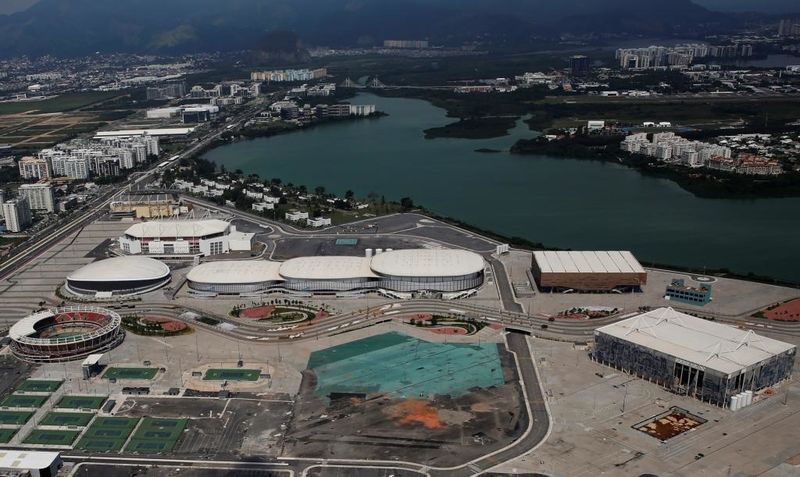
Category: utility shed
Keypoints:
(692, 356)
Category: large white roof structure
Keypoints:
(26, 460)
(703, 343)
(150, 132)
(587, 262)
(121, 269)
(236, 272)
(427, 263)
(177, 228)
(326, 268)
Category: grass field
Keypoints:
(15, 417)
(64, 102)
(6, 435)
(39, 386)
(230, 374)
(81, 402)
(107, 434)
(130, 373)
(23, 400)
(67, 419)
(53, 438)
(155, 436)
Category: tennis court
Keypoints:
(67, 419)
(6, 435)
(15, 417)
(130, 373)
(53, 438)
(23, 400)
(232, 374)
(71, 401)
(107, 434)
(39, 386)
(156, 435)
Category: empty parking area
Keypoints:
(67, 419)
(107, 434)
(156, 436)
(228, 374)
(24, 400)
(51, 437)
(130, 373)
(81, 402)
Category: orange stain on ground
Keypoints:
(413, 411)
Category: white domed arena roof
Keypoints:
(120, 269)
(427, 263)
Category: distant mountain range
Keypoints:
(77, 27)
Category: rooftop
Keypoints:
(587, 262)
(704, 343)
(427, 263)
(235, 272)
(126, 268)
(26, 460)
(177, 228)
(326, 268)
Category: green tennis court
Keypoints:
(53, 438)
(15, 417)
(156, 435)
(67, 419)
(107, 434)
(232, 374)
(39, 386)
(6, 435)
(130, 373)
(23, 400)
(81, 402)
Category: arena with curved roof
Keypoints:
(118, 276)
(64, 334)
(412, 270)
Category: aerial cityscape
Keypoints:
(421, 238)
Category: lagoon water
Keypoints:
(560, 202)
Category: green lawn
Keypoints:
(67, 419)
(81, 402)
(231, 374)
(53, 438)
(130, 373)
(39, 386)
(64, 102)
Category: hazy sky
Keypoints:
(772, 6)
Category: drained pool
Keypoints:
(404, 366)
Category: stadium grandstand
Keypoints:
(65, 334)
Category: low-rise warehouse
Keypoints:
(692, 356)
(587, 271)
(439, 270)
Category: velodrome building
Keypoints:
(406, 271)
(118, 276)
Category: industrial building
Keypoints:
(29, 463)
(118, 276)
(587, 271)
(146, 205)
(694, 357)
(177, 237)
(407, 271)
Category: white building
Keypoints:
(318, 222)
(29, 462)
(17, 213)
(177, 237)
(34, 168)
(296, 216)
(76, 168)
(40, 196)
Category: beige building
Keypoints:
(587, 271)
(146, 206)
